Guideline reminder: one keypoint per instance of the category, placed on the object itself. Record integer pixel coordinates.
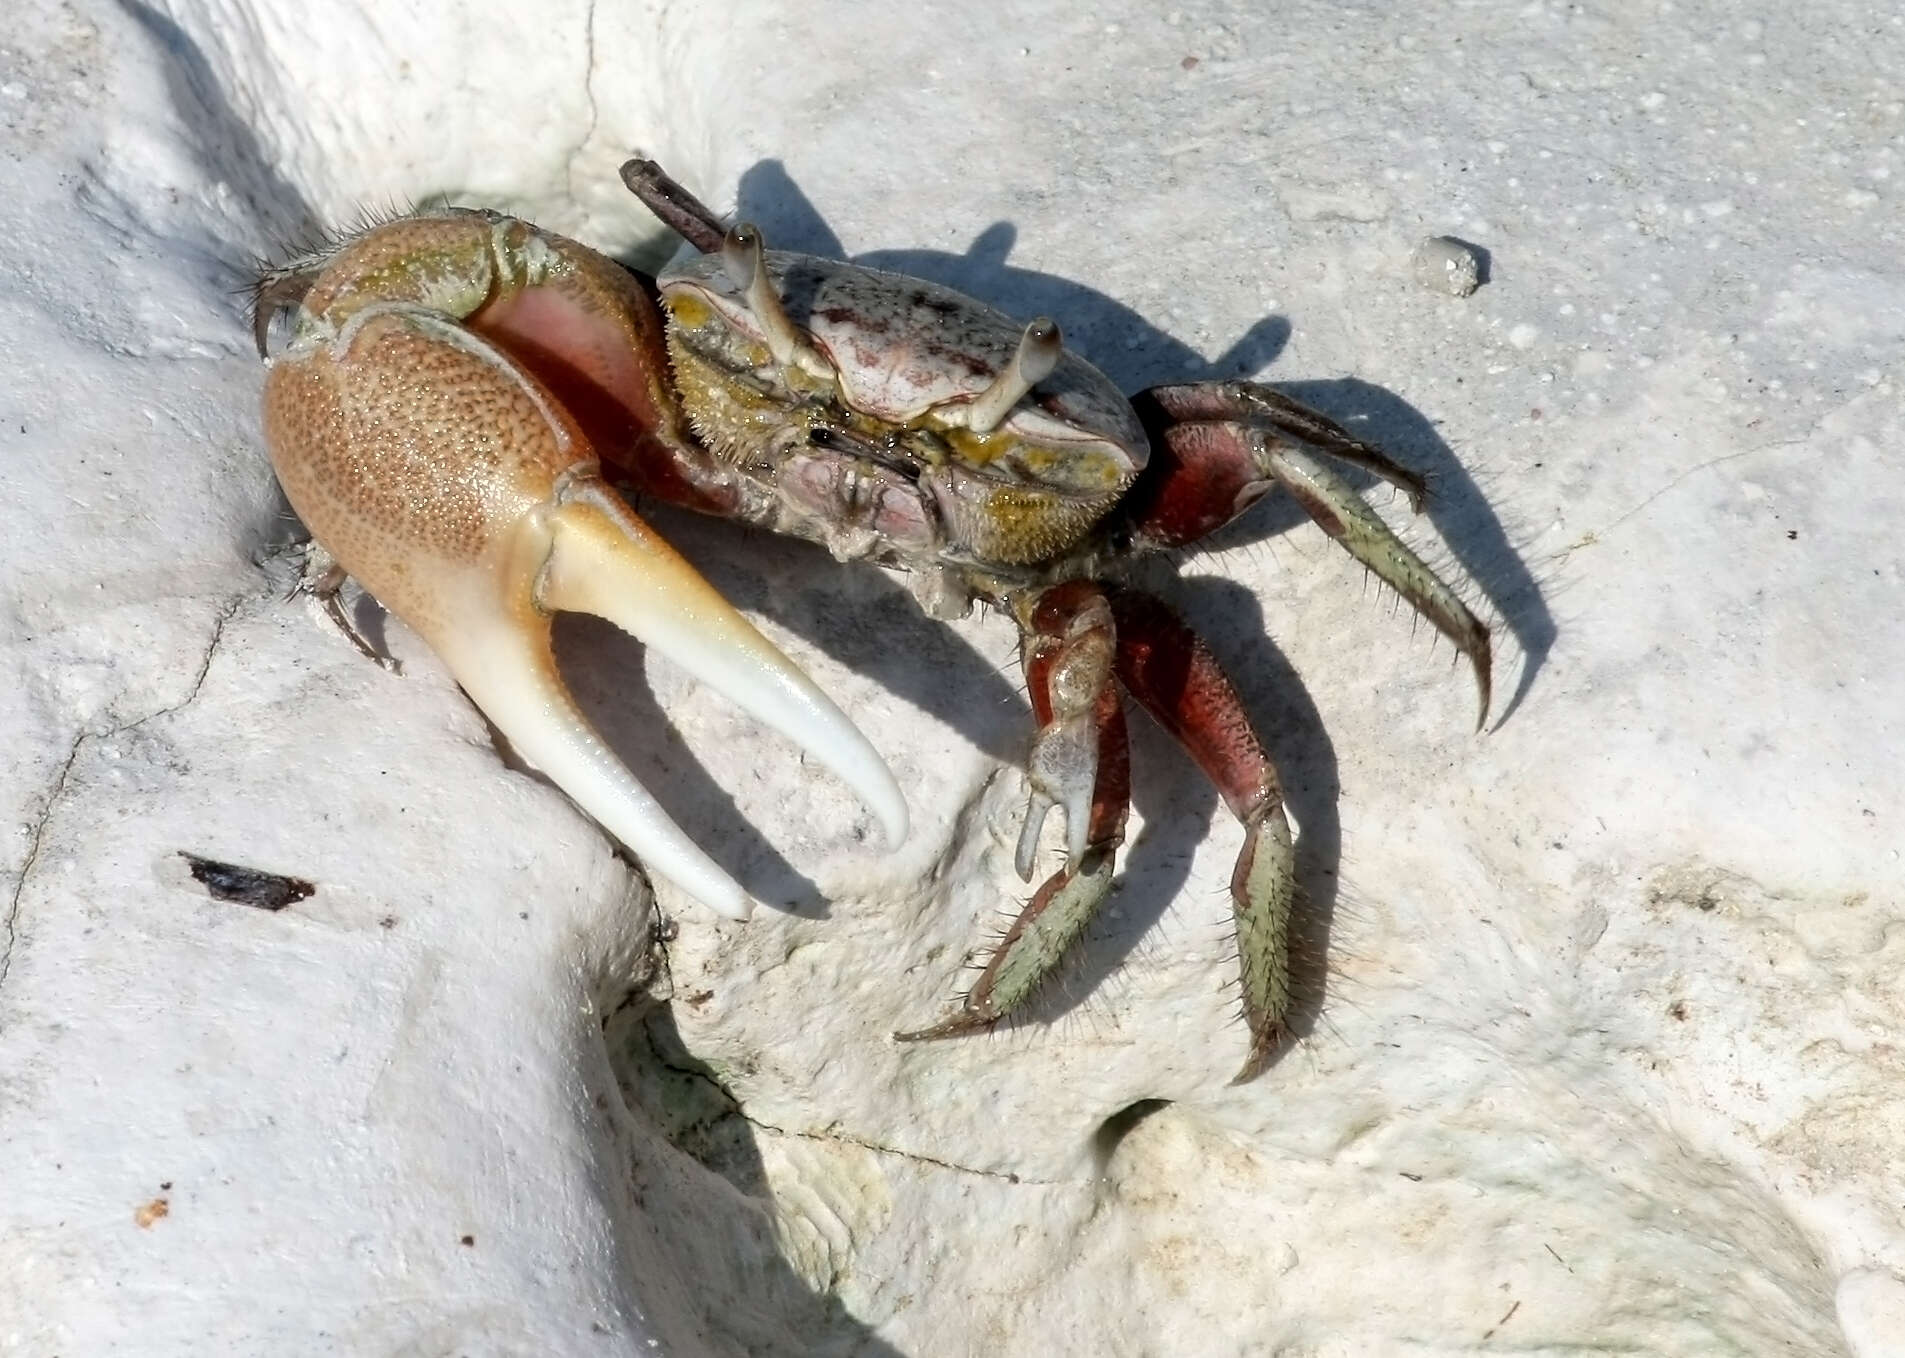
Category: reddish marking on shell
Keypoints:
(844, 316)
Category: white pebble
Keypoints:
(1445, 264)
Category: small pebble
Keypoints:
(1445, 264)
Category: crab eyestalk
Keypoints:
(1033, 361)
(425, 451)
(743, 259)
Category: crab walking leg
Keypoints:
(1347, 517)
(1068, 643)
(450, 482)
(1170, 671)
(1255, 403)
(1204, 473)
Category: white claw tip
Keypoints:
(890, 809)
(735, 905)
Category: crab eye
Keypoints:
(741, 255)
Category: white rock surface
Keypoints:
(1604, 1028)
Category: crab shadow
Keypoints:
(698, 1159)
(227, 149)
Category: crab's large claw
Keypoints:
(415, 434)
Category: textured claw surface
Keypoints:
(423, 422)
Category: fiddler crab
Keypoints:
(461, 387)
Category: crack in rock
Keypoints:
(846, 1138)
(33, 855)
(588, 89)
(58, 791)
(1594, 535)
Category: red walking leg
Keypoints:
(1168, 668)
(1080, 763)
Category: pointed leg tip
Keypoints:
(1264, 1044)
(964, 1022)
(1480, 657)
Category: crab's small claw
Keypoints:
(1061, 770)
(447, 477)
